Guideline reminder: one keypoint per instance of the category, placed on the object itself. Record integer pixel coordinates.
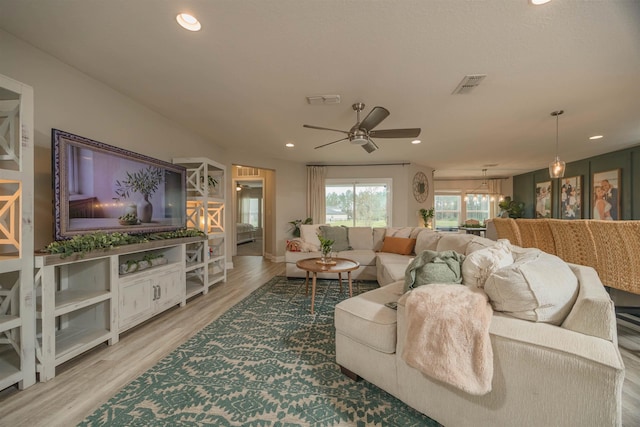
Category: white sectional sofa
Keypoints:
(566, 374)
(386, 268)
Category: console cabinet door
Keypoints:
(136, 302)
(171, 287)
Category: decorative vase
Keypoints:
(146, 210)
(326, 254)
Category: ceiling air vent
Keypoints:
(468, 83)
(323, 99)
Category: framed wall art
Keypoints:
(571, 197)
(543, 199)
(605, 200)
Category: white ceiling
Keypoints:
(243, 79)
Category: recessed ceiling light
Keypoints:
(539, 2)
(416, 141)
(289, 144)
(595, 137)
(188, 22)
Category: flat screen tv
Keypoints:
(99, 187)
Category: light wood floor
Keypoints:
(84, 383)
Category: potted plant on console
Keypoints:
(146, 182)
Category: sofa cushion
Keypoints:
(363, 256)
(391, 267)
(361, 237)
(454, 242)
(398, 245)
(480, 264)
(378, 238)
(427, 240)
(309, 234)
(538, 287)
(399, 232)
(338, 235)
(366, 319)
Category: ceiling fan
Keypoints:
(362, 132)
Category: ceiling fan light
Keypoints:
(359, 140)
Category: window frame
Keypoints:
(354, 182)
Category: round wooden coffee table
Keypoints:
(313, 265)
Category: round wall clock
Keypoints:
(420, 187)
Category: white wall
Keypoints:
(66, 99)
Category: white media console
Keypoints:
(84, 300)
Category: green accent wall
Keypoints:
(628, 161)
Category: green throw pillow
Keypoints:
(339, 236)
(433, 267)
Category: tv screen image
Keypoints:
(100, 187)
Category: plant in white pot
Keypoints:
(144, 181)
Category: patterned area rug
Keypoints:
(265, 362)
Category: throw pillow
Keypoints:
(294, 245)
(538, 287)
(433, 267)
(309, 233)
(338, 235)
(398, 245)
(480, 264)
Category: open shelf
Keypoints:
(10, 372)
(72, 300)
(73, 341)
(9, 322)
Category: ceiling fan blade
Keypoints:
(373, 119)
(321, 128)
(329, 143)
(370, 146)
(396, 133)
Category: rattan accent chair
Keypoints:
(574, 242)
(506, 228)
(617, 244)
(536, 233)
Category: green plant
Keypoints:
(325, 244)
(145, 181)
(83, 243)
(296, 223)
(510, 208)
(211, 181)
(427, 214)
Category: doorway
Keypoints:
(249, 215)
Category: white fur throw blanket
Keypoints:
(448, 336)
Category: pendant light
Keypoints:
(556, 168)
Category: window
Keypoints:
(447, 211)
(478, 207)
(358, 203)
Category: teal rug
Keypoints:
(265, 362)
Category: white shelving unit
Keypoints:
(17, 316)
(205, 211)
(85, 300)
